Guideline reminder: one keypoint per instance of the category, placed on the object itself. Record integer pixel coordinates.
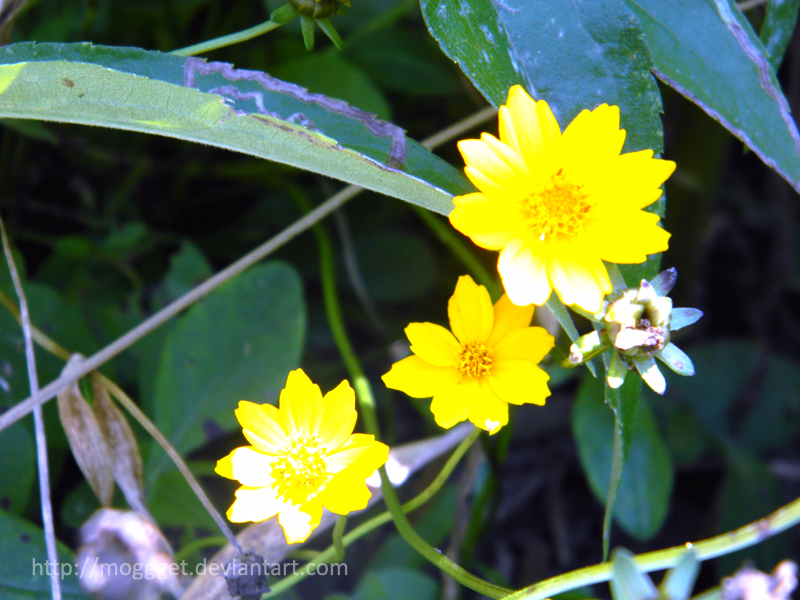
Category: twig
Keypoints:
(38, 419)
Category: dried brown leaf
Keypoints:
(124, 451)
(87, 441)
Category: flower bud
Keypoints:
(318, 9)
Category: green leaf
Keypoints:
(627, 582)
(331, 74)
(392, 276)
(709, 53)
(575, 55)
(23, 563)
(403, 63)
(679, 582)
(239, 343)
(396, 582)
(151, 92)
(646, 482)
(18, 466)
(773, 420)
(777, 29)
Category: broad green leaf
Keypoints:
(773, 420)
(723, 370)
(23, 563)
(708, 52)
(18, 466)
(239, 343)
(392, 276)
(575, 55)
(646, 483)
(214, 103)
(777, 29)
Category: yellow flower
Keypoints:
(556, 204)
(304, 456)
(491, 361)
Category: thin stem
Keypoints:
(429, 492)
(38, 420)
(338, 543)
(366, 405)
(744, 537)
(228, 40)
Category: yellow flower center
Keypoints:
(475, 360)
(300, 469)
(558, 207)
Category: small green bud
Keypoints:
(318, 9)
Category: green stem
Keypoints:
(228, 40)
(461, 251)
(338, 532)
(744, 537)
(366, 405)
(383, 518)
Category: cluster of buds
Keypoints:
(638, 326)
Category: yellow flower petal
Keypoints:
(347, 490)
(453, 405)
(433, 344)
(299, 521)
(299, 401)
(571, 202)
(483, 157)
(531, 344)
(262, 426)
(519, 382)
(248, 466)
(470, 311)
(489, 223)
(491, 413)
(579, 280)
(535, 128)
(349, 452)
(418, 378)
(254, 504)
(337, 419)
(628, 236)
(524, 273)
(593, 137)
(508, 317)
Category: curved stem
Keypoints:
(744, 537)
(228, 40)
(429, 492)
(338, 532)
(366, 405)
